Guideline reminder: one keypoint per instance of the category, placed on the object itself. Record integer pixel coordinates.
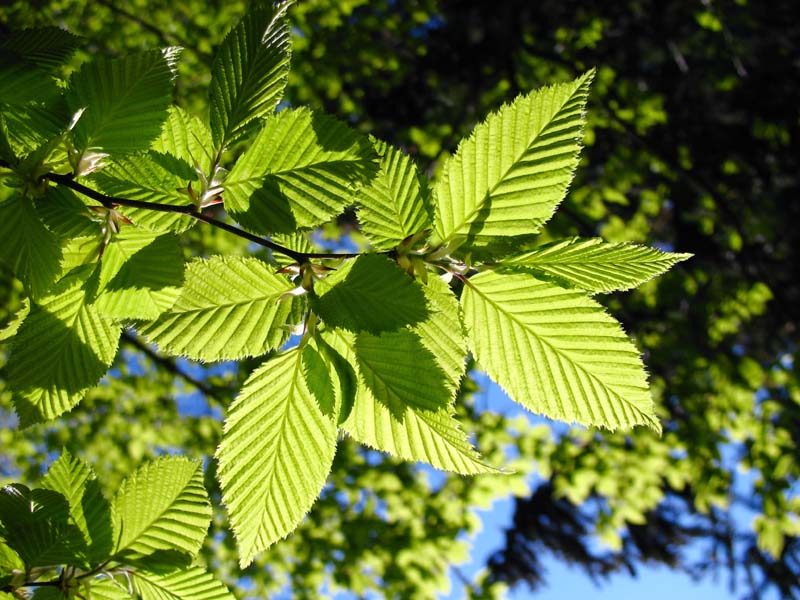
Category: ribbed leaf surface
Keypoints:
(187, 584)
(110, 589)
(556, 352)
(249, 72)
(595, 265)
(507, 178)
(126, 101)
(148, 178)
(162, 506)
(45, 47)
(301, 170)
(370, 293)
(21, 81)
(430, 437)
(140, 275)
(186, 137)
(228, 308)
(64, 213)
(62, 349)
(395, 204)
(89, 509)
(28, 247)
(275, 455)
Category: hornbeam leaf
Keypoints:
(186, 137)
(45, 47)
(556, 352)
(249, 72)
(62, 349)
(109, 588)
(401, 372)
(193, 583)
(396, 203)
(370, 293)
(228, 308)
(163, 506)
(301, 170)
(15, 321)
(89, 509)
(32, 252)
(149, 178)
(125, 101)
(140, 275)
(594, 265)
(276, 453)
(318, 379)
(66, 215)
(434, 438)
(508, 176)
(21, 81)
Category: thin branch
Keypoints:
(170, 365)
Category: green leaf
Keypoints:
(434, 438)
(88, 508)
(189, 584)
(62, 349)
(318, 379)
(14, 323)
(32, 252)
(556, 352)
(33, 125)
(148, 178)
(228, 308)
(186, 137)
(107, 588)
(276, 453)
(401, 372)
(163, 506)
(345, 375)
(396, 203)
(507, 178)
(250, 71)
(370, 293)
(301, 170)
(594, 265)
(140, 275)
(45, 47)
(36, 525)
(126, 101)
(21, 81)
(66, 215)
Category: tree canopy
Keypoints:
(690, 145)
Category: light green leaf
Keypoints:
(149, 178)
(31, 126)
(163, 506)
(228, 308)
(556, 352)
(370, 293)
(189, 584)
(21, 81)
(508, 176)
(36, 525)
(28, 247)
(106, 588)
(62, 349)
(186, 137)
(276, 453)
(318, 379)
(401, 372)
(249, 72)
(595, 265)
(434, 438)
(298, 241)
(14, 323)
(126, 101)
(66, 215)
(89, 509)
(396, 203)
(140, 275)
(45, 47)
(345, 375)
(301, 170)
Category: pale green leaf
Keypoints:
(228, 308)
(434, 438)
(556, 352)
(16, 320)
(66, 215)
(318, 379)
(508, 176)
(125, 101)
(345, 376)
(301, 170)
(148, 178)
(163, 506)
(88, 508)
(276, 453)
(140, 275)
(595, 265)
(186, 137)
(396, 203)
(32, 252)
(31, 126)
(249, 72)
(189, 584)
(401, 372)
(106, 588)
(298, 241)
(370, 293)
(62, 349)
